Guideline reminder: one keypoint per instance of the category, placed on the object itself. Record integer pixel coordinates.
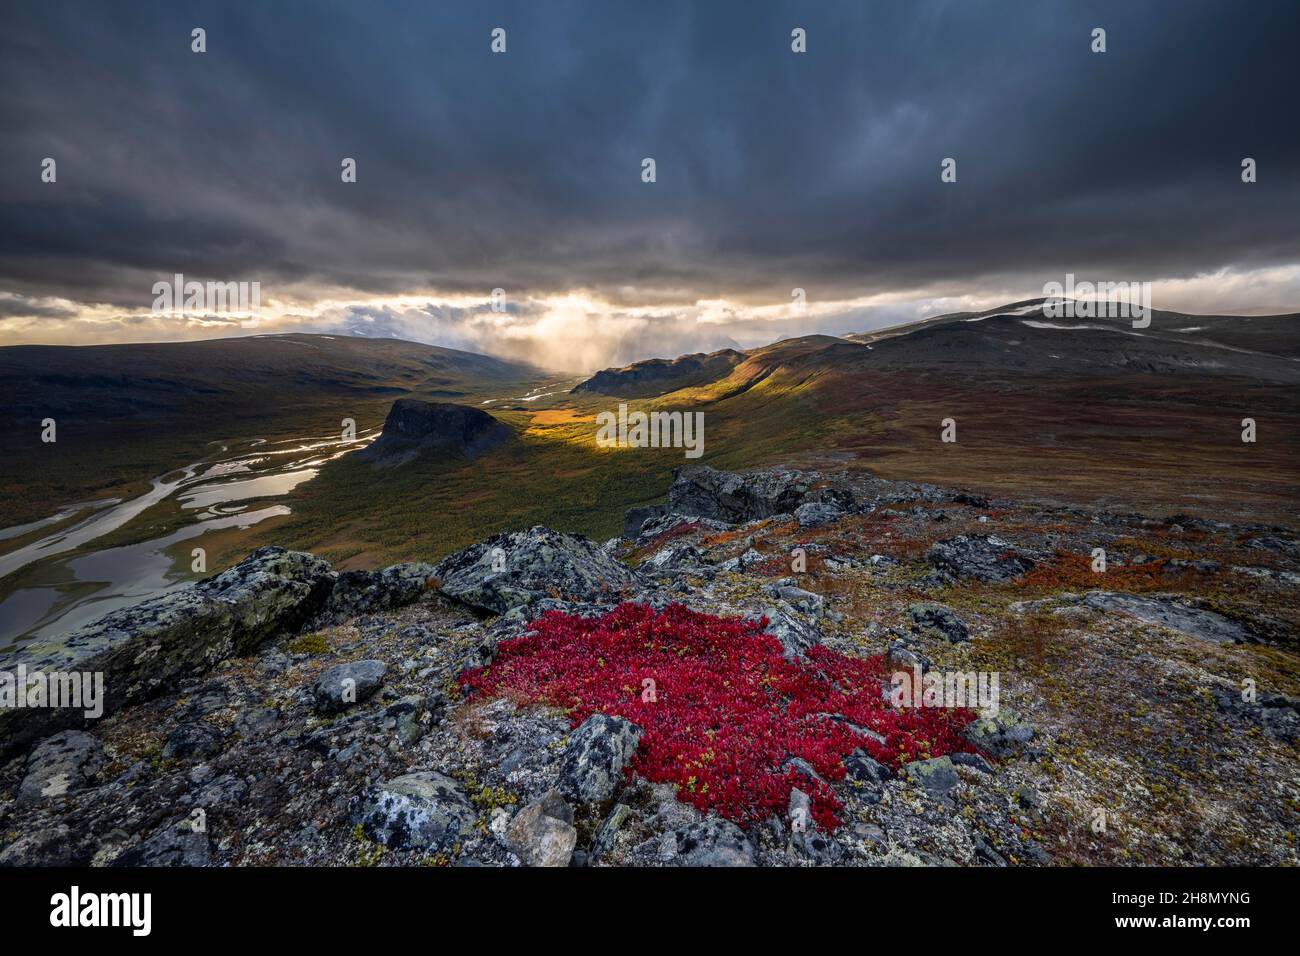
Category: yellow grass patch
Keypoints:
(559, 416)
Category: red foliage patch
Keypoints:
(727, 712)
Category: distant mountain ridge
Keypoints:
(1017, 338)
(165, 381)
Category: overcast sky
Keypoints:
(522, 170)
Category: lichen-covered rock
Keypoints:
(672, 558)
(522, 567)
(60, 765)
(1277, 544)
(935, 617)
(795, 632)
(150, 647)
(701, 491)
(814, 514)
(1277, 714)
(542, 833)
(44, 846)
(816, 847)
(1002, 735)
(591, 768)
(975, 761)
(936, 775)
(173, 844)
(668, 521)
(713, 842)
(901, 657)
(343, 685)
(1168, 612)
(609, 830)
(426, 811)
(800, 811)
(192, 740)
(365, 592)
(256, 721)
(982, 557)
(806, 602)
(409, 715)
(864, 768)
(1281, 722)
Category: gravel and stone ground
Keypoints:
(283, 713)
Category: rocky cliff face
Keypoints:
(414, 428)
(282, 712)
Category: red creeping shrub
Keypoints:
(726, 712)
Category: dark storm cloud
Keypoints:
(774, 169)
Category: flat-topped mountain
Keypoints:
(414, 428)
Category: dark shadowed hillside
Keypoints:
(167, 381)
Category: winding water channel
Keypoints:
(70, 584)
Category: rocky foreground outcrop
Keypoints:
(511, 570)
(283, 712)
(144, 650)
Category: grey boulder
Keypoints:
(192, 740)
(542, 833)
(591, 768)
(59, 765)
(420, 811)
(795, 632)
(173, 844)
(982, 557)
(813, 514)
(343, 685)
(520, 568)
(1002, 735)
(706, 493)
(936, 775)
(864, 768)
(713, 842)
(940, 620)
(1277, 714)
(1167, 612)
(366, 592)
